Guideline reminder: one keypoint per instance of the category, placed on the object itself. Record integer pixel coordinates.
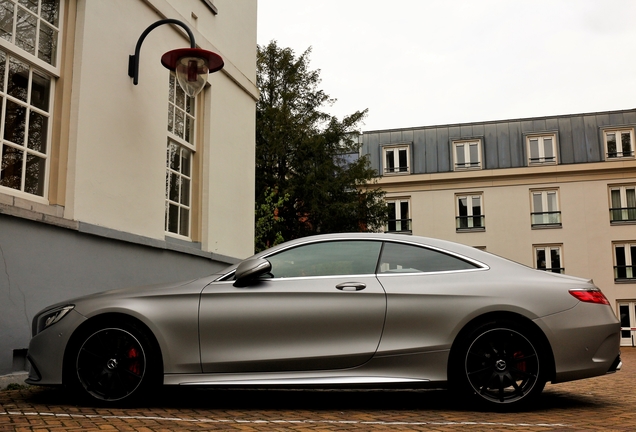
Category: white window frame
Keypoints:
(397, 169)
(41, 67)
(463, 148)
(626, 213)
(402, 224)
(542, 158)
(629, 255)
(543, 217)
(618, 155)
(179, 138)
(547, 250)
(627, 316)
(472, 223)
(10, 45)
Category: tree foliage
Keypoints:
(268, 222)
(307, 161)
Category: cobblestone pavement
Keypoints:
(602, 403)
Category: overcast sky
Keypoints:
(432, 62)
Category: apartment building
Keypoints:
(556, 193)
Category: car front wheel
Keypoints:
(112, 363)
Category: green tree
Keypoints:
(307, 156)
(268, 222)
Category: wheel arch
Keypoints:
(107, 319)
(497, 317)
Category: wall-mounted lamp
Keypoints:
(191, 65)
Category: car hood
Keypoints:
(193, 286)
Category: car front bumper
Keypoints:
(47, 348)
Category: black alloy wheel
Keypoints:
(111, 364)
(503, 366)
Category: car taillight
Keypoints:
(590, 296)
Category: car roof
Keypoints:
(402, 238)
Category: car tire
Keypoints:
(112, 363)
(500, 364)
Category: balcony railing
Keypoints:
(553, 269)
(394, 170)
(618, 154)
(546, 219)
(470, 223)
(623, 214)
(467, 165)
(400, 226)
(624, 272)
(543, 160)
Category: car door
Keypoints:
(429, 291)
(321, 307)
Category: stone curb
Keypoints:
(14, 378)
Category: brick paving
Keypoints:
(602, 403)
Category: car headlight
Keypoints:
(50, 317)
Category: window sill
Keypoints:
(466, 230)
(405, 232)
(625, 281)
(546, 226)
(10, 196)
(25, 209)
(533, 164)
(625, 222)
(478, 168)
(619, 158)
(185, 242)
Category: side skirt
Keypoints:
(246, 380)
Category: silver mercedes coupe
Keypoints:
(343, 310)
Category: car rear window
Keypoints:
(404, 258)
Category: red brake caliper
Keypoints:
(520, 365)
(133, 366)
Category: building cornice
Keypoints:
(615, 170)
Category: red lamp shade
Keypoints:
(192, 66)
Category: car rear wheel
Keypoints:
(112, 363)
(502, 364)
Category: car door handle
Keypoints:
(351, 286)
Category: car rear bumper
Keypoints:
(617, 365)
(585, 341)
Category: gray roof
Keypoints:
(579, 140)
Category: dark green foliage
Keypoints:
(306, 157)
(14, 386)
(268, 223)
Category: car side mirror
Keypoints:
(251, 269)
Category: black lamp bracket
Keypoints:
(133, 60)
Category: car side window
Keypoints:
(403, 258)
(329, 258)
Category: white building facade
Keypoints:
(554, 193)
(105, 184)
